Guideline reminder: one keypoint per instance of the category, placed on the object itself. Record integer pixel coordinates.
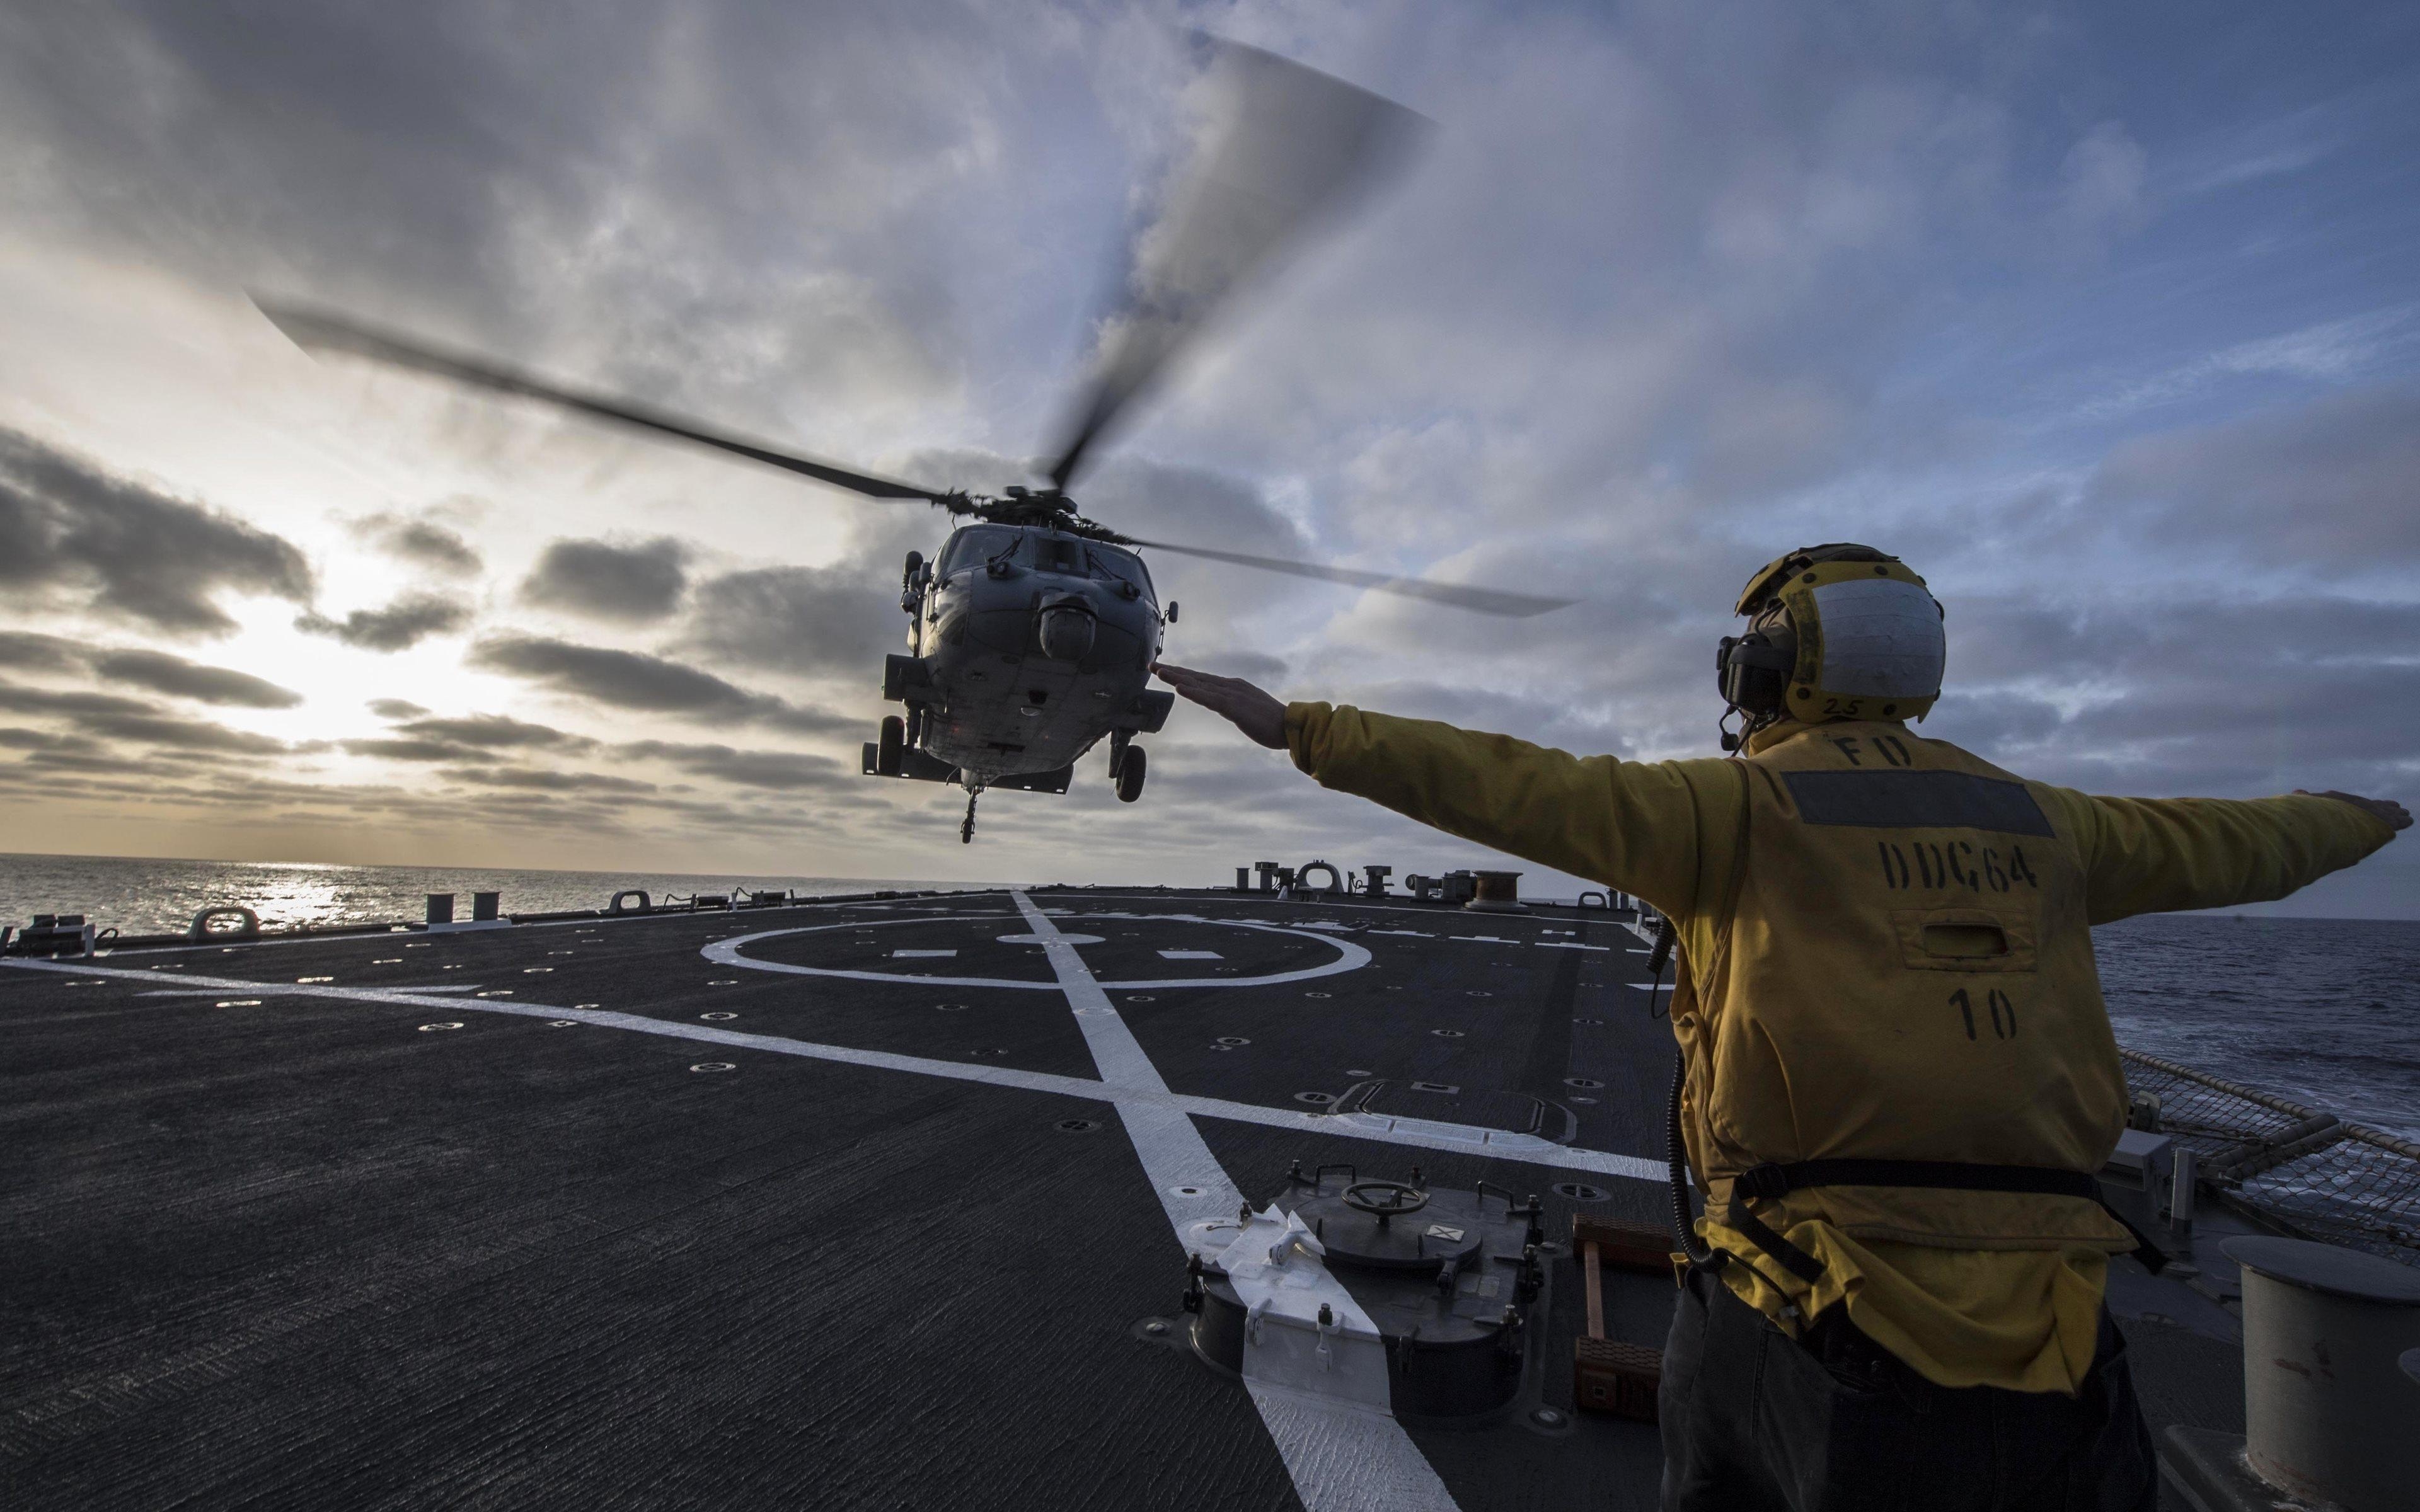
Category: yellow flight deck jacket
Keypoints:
(1905, 972)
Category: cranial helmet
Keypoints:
(1835, 632)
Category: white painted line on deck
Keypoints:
(912, 955)
(1342, 1458)
(1190, 956)
(1428, 1137)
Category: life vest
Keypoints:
(1899, 1031)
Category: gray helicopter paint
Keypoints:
(998, 702)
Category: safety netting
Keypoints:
(2304, 1170)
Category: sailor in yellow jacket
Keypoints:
(1900, 1075)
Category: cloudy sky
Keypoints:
(2106, 319)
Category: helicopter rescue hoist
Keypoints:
(1033, 635)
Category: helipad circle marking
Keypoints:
(712, 1066)
(428, 1027)
(1041, 939)
(1350, 957)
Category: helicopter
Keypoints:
(1032, 631)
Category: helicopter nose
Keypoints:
(1066, 633)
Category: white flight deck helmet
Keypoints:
(1835, 632)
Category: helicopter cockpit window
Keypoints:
(1109, 562)
(975, 545)
(1057, 553)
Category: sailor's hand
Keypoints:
(2396, 815)
(1250, 710)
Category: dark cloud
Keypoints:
(24, 649)
(73, 705)
(533, 779)
(629, 680)
(422, 542)
(780, 770)
(75, 535)
(839, 618)
(2328, 482)
(394, 708)
(400, 625)
(416, 750)
(123, 718)
(159, 671)
(163, 673)
(188, 734)
(2215, 697)
(497, 731)
(16, 737)
(630, 582)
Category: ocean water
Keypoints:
(143, 896)
(2324, 1012)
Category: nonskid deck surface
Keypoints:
(844, 1205)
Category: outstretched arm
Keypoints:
(1638, 826)
(2145, 855)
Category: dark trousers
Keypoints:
(1753, 1420)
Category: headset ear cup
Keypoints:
(1754, 673)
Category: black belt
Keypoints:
(1769, 1181)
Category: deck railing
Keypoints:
(2303, 1169)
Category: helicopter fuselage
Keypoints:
(1028, 645)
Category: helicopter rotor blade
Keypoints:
(1457, 595)
(1286, 147)
(320, 331)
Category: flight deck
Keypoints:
(887, 1202)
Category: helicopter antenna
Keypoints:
(967, 830)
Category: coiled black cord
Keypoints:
(1675, 1158)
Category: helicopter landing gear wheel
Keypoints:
(1130, 770)
(887, 749)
